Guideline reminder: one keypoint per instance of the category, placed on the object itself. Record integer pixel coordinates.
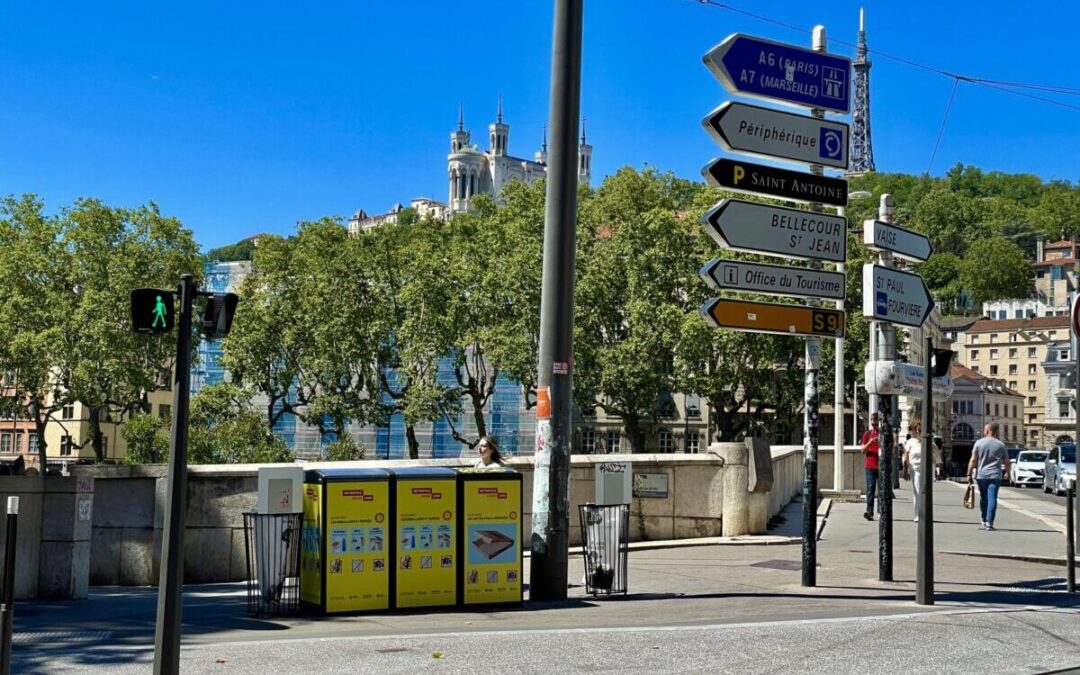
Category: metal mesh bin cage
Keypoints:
(272, 545)
(605, 531)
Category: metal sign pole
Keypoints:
(171, 583)
(811, 401)
(885, 342)
(924, 574)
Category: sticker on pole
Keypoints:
(543, 403)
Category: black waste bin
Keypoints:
(605, 534)
(272, 548)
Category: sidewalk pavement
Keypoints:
(674, 586)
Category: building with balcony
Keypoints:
(978, 400)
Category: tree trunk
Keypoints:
(39, 429)
(478, 414)
(632, 425)
(95, 433)
(414, 444)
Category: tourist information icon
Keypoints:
(736, 275)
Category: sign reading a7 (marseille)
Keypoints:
(772, 133)
(772, 70)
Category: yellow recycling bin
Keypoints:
(490, 517)
(345, 548)
(425, 533)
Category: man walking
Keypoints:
(989, 462)
(870, 450)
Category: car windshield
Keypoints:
(1033, 456)
(1068, 454)
(1013, 452)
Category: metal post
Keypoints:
(1070, 541)
(886, 350)
(7, 608)
(855, 412)
(812, 363)
(1074, 496)
(924, 574)
(551, 479)
(838, 396)
(171, 582)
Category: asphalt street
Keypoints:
(1000, 608)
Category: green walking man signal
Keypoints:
(152, 311)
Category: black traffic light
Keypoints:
(152, 311)
(218, 316)
(941, 360)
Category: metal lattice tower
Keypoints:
(862, 151)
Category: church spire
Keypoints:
(583, 130)
(498, 116)
(461, 117)
(543, 143)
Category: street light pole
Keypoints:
(554, 423)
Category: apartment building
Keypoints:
(1014, 351)
(977, 401)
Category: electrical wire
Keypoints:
(1000, 85)
(941, 131)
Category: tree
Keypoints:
(147, 439)
(950, 219)
(33, 265)
(996, 269)
(634, 264)
(241, 250)
(226, 429)
(67, 334)
(942, 276)
(345, 449)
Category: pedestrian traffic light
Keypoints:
(941, 360)
(152, 311)
(218, 315)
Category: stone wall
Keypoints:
(128, 518)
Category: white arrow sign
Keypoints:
(895, 296)
(734, 275)
(777, 231)
(771, 133)
(905, 243)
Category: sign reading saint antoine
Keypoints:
(764, 69)
(758, 179)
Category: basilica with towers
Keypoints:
(472, 171)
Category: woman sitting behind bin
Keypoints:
(489, 455)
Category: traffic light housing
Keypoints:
(152, 311)
(218, 315)
(940, 362)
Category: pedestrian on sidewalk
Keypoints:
(870, 450)
(989, 462)
(912, 464)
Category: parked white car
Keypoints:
(1028, 468)
(1060, 468)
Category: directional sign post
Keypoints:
(894, 296)
(777, 231)
(735, 275)
(902, 242)
(771, 133)
(763, 317)
(760, 68)
(757, 179)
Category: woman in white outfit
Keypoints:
(913, 463)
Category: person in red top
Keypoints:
(870, 450)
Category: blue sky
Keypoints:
(241, 118)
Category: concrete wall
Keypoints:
(125, 541)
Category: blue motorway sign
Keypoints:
(772, 70)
